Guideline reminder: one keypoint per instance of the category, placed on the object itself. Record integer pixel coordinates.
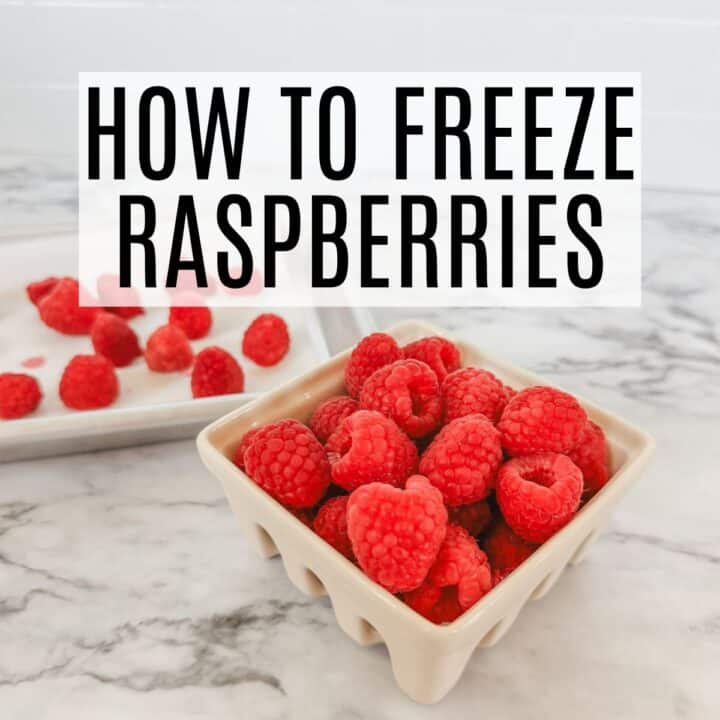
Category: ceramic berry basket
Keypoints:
(427, 659)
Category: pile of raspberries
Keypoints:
(90, 381)
(436, 480)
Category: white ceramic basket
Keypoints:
(427, 659)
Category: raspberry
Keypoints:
(369, 447)
(406, 391)
(474, 517)
(591, 456)
(459, 577)
(440, 354)
(329, 414)
(539, 494)
(287, 461)
(505, 549)
(541, 419)
(168, 350)
(20, 394)
(60, 309)
(113, 338)
(396, 534)
(369, 355)
(195, 322)
(88, 382)
(216, 372)
(266, 341)
(463, 459)
(331, 525)
(304, 515)
(126, 313)
(38, 290)
(470, 391)
(247, 439)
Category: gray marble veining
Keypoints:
(127, 592)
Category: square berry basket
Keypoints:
(427, 659)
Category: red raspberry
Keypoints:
(126, 313)
(505, 549)
(216, 372)
(113, 338)
(369, 355)
(266, 341)
(591, 456)
(194, 321)
(329, 414)
(463, 459)
(440, 354)
(288, 462)
(539, 494)
(541, 419)
(396, 534)
(331, 525)
(38, 290)
(247, 439)
(459, 577)
(20, 394)
(60, 309)
(88, 382)
(474, 517)
(470, 391)
(406, 391)
(368, 447)
(304, 515)
(168, 350)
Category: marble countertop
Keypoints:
(126, 590)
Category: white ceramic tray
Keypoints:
(151, 406)
(427, 659)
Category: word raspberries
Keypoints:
(437, 480)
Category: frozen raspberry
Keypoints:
(38, 290)
(538, 494)
(406, 391)
(126, 313)
(88, 382)
(60, 309)
(396, 534)
(591, 456)
(20, 394)
(287, 461)
(329, 414)
(459, 577)
(510, 392)
(369, 447)
(194, 321)
(266, 341)
(168, 350)
(369, 355)
(113, 338)
(331, 525)
(463, 459)
(440, 354)
(470, 391)
(541, 419)
(474, 517)
(216, 372)
(505, 549)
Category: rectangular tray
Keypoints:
(427, 659)
(152, 407)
